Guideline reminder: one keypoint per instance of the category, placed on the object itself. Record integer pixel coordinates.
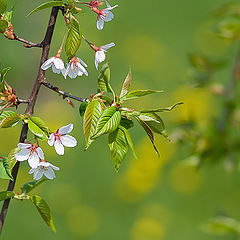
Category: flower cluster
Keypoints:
(35, 156)
(8, 97)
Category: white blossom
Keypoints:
(43, 168)
(30, 152)
(60, 139)
(100, 53)
(56, 63)
(75, 68)
(105, 15)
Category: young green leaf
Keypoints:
(46, 5)
(3, 73)
(118, 146)
(38, 127)
(74, 38)
(3, 25)
(139, 93)
(11, 157)
(169, 109)
(8, 16)
(28, 187)
(5, 195)
(149, 133)
(104, 78)
(3, 6)
(108, 122)
(82, 108)
(44, 210)
(5, 171)
(91, 116)
(129, 140)
(126, 85)
(8, 119)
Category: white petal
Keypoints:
(96, 63)
(54, 167)
(33, 160)
(72, 73)
(58, 63)
(100, 23)
(107, 46)
(59, 147)
(108, 5)
(82, 69)
(22, 155)
(55, 70)
(38, 173)
(32, 170)
(82, 62)
(65, 72)
(40, 153)
(109, 16)
(111, 8)
(47, 64)
(49, 173)
(24, 145)
(68, 141)
(80, 73)
(66, 129)
(100, 56)
(51, 139)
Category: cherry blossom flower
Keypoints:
(100, 53)
(75, 68)
(56, 63)
(104, 15)
(30, 152)
(43, 168)
(60, 139)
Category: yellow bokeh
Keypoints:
(147, 229)
(185, 178)
(82, 220)
(143, 174)
(197, 105)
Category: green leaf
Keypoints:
(11, 157)
(28, 187)
(3, 6)
(149, 133)
(104, 78)
(169, 109)
(8, 16)
(5, 195)
(154, 122)
(5, 170)
(129, 140)
(222, 225)
(44, 210)
(139, 93)
(118, 146)
(8, 119)
(108, 122)
(4, 72)
(82, 108)
(126, 85)
(38, 127)
(46, 5)
(3, 25)
(91, 116)
(74, 38)
(125, 122)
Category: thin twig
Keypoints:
(22, 101)
(32, 100)
(27, 43)
(64, 94)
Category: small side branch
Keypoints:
(19, 101)
(64, 94)
(27, 43)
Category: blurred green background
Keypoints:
(150, 198)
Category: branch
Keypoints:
(32, 100)
(64, 94)
(229, 94)
(27, 43)
(19, 101)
